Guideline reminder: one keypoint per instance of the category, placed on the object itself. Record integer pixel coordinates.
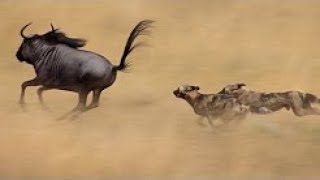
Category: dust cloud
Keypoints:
(141, 129)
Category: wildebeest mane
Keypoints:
(59, 37)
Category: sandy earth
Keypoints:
(141, 129)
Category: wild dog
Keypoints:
(260, 102)
(212, 106)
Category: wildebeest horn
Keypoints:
(52, 28)
(23, 28)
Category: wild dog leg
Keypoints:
(300, 110)
(200, 121)
(210, 121)
(314, 111)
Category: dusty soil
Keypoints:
(141, 129)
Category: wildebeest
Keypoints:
(212, 106)
(59, 64)
(260, 102)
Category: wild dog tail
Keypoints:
(140, 29)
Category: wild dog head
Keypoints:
(183, 90)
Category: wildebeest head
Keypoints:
(32, 45)
(183, 90)
(234, 89)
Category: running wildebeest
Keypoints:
(212, 106)
(260, 102)
(59, 64)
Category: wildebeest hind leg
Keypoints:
(95, 99)
(24, 85)
(82, 101)
(81, 107)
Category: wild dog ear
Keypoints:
(223, 91)
(241, 86)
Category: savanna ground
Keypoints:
(141, 129)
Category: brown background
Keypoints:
(141, 128)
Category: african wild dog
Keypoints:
(260, 102)
(212, 106)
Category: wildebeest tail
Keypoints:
(140, 29)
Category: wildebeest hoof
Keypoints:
(82, 109)
(21, 102)
(79, 108)
(91, 106)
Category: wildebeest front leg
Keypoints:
(40, 91)
(24, 85)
